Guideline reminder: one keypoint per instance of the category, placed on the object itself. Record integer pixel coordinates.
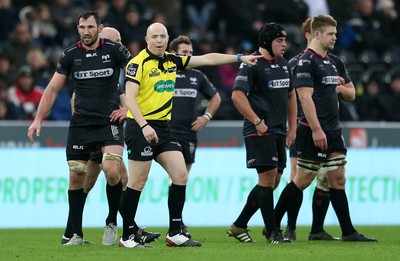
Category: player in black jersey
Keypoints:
(185, 123)
(264, 95)
(319, 138)
(93, 65)
(321, 198)
(94, 164)
(151, 78)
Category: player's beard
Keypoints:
(93, 40)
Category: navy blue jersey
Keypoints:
(267, 86)
(188, 85)
(95, 75)
(322, 74)
(292, 64)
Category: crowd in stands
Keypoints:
(33, 34)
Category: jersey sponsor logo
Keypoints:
(274, 65)
(330, 80)
(280, 83)
(322, 155)
(274, 158)
(93, 74)
(167, 86)
(303, 75)
(241, 78)
(190, 93)
(131, 70)
(147, 151)
(154, 72)
(115, 132)
(77, 61)
(251, 161)
(88, 55)
(326, 62)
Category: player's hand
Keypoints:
(290, 137)
(199, 123)
(320, 140)
(250, 59)
(34, 128)
(261, 128)
(150, 134)
(119, 115)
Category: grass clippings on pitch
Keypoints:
(44, 244)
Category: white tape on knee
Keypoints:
(322, 179)
(335, 162)
(77, 166)
(111, 156)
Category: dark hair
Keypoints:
(86, 14)
(181, 39)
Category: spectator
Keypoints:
(371, 104)
(133, 30)
(392, 99)
(9, 18)
(5, 70)
(199, 13)
(19, 44)
(38, 63)
(8, 111)
(24, 94)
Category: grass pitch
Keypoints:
(44, 244)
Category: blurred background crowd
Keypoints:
(33, 34)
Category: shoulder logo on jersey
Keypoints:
(106, 58)
(274, 65)
(301, 62)
(88, 55)
(77, 61)
(167, 86)
(131, 70)
(278, 84)
(154, 72)
(93, 74)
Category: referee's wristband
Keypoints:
(239, 57)
(144, 126)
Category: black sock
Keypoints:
(341, 207)
(113, 198)
(265, 198)
(120, 206)
(320, 206)
(286, 200)
(293, 211)
(130, 205)
(76, 202)
(176, 202)
(249, 209)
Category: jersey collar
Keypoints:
(82, 46)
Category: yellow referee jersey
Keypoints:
(156, 78)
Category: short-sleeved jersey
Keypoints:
(188, 85)
(322, 74)
(94, 74)
(267, 86)
(156, 77)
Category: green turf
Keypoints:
(44, 244)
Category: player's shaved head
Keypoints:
(111, 33)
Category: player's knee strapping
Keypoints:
(335, 163)
(77, 166)
(112, 156)
(308, 166)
